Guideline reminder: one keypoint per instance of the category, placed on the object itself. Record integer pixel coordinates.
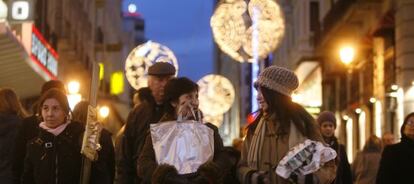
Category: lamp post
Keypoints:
(74, 97)
(347, 54)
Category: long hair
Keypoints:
(403, 136)
(59, 96)
(283, 111)
(172, 92)
(373, 144)
(10, 104)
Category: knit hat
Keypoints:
(278, 79)
(326, 116)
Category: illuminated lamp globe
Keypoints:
(215, 120)
(3, 11)
(142, 57)
(247, 31)
(73, 87)
(104, 112)
(347, 54)
(216, 94)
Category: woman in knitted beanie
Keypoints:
(280, 125)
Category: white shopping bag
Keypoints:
(184, 144)
(305, 158)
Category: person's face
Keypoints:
(388, 139)
(409, 128)
(52, 113)
(157, 84)
(327, 129)
(185, 103)
(261, 100)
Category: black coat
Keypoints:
(343, 173)
(28, 130)
(210, 172)
(133, 139)
(57, 159)
(8, 130)
(397, 163)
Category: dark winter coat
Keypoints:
(397, 163)
(8, 130)
(133, 140)
(57, 159)
(343, 173)
(209, 172)
(28, 130)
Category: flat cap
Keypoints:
(161, 68)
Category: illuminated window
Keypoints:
(362, 122)
(117, 83)
(349, 139)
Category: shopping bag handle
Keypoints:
(197, 118)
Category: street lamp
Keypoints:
(103, 112)
(74, 97)
(347, 54)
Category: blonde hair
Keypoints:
(10, 104)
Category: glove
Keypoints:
(260, 177)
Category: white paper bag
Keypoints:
(185, 144)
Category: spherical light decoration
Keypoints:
(215, 120)
(216, 94)
(142, 57)
(232, 26)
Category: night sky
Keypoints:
(184, 27)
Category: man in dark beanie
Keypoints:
(138, 122)
(30, 129)
(327, 125)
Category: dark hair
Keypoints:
(80, 112)
(173, 90)
(53, 84)
(403, 136)
(144, 95)
(373, 144)
(57, 95)
(10, 104)
(283, 111)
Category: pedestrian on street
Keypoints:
(106, 155)
(178, 94)
(388, 139)
(366, 163)
(53, 156)
(280, 125)
(11, 115)
(327, 125)
(30, 129)
(397, 161)
(138, 122)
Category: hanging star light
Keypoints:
(142, 57)
(235, 21)
(216, 94)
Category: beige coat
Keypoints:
(273, 150)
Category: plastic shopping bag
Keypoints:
(305, 158)
(184, 144)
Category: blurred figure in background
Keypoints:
(11, 115)
(366, 163)
(397, 161)
(388, 139)
(30, 129)
(106, 155)
(327, 125)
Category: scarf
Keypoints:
(255, 149)
(55, 131)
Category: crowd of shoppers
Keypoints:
(45, 147)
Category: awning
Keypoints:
(17, 70)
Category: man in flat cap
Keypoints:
(138, 122)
